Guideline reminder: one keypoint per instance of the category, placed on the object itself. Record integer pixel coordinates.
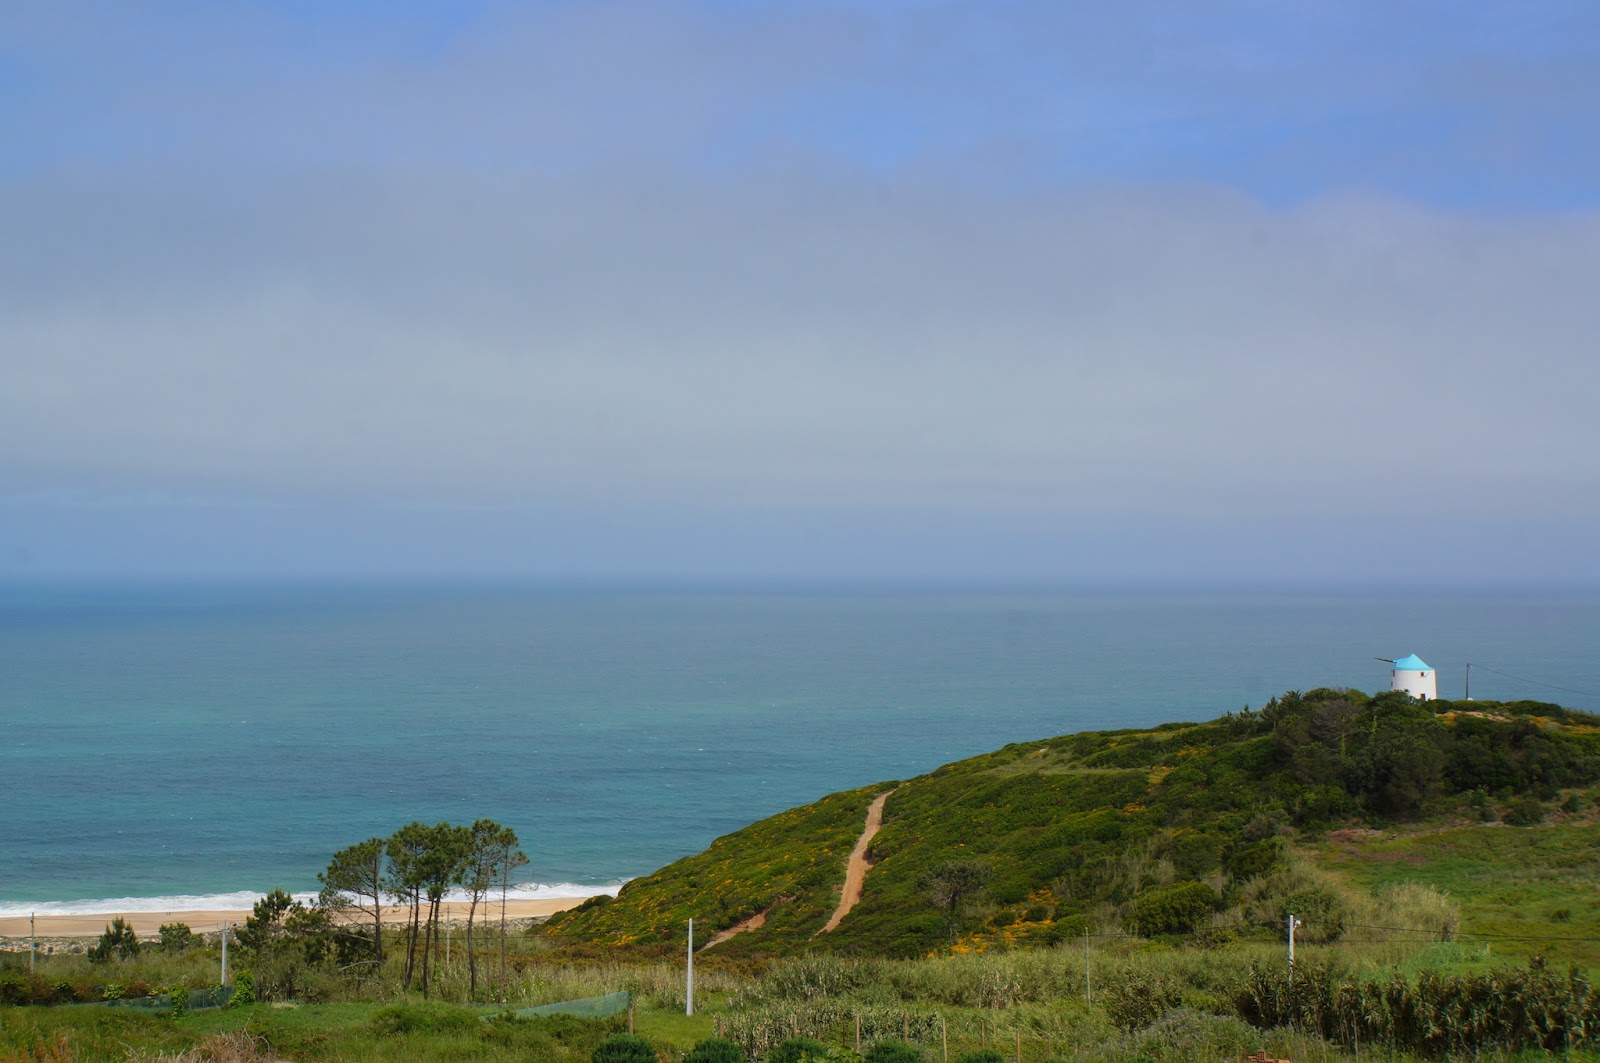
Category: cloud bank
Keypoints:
(692, 299)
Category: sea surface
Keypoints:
(194, 746)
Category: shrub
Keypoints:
(798, 1050)
(1174, 910)
(1187, 1034)
(177, 938)
(244, 990)
(14, 990)
(624, 1048)
(892, 1052)
(422, 1018)
(1525, 812)
(715, 1050)
(982, 1055)
(1138, 999)
(1412, 904)
(119, 942)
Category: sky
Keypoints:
(1221, 293)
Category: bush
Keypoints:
(982, 1055)
(1174, 910)
(892, 1052)
(1137, 999)
(798, 1050)
(244, 990)
(715, 1050)
(422, 1018)
(624, 1048)
(177, 938)
(1524, 812)
(118, 942)
(1187, 1034)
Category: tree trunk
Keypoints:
(503, 886)
(472, 962)
(411, 937)
(427, 945)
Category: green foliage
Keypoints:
(798, 1050)
(117, 942)
(715, 1050)
(285, 941)
(982, 1055)
(624, 1048)
(1097, 824)
(244, 990)
(353, 884)
(177, 938)
(1140, 997)
(435, 1018)
(264, 926)
(891, 1052)
(951, 884)
(1174, 910)
(1524, 812)
(1184, 1034)
(1434, 1015)
(791, 863)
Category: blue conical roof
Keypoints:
(1412, 663)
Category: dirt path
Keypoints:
(755, 922)
(855, 872)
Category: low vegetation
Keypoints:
(1177, 830)
(1118, 897)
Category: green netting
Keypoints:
(215, 997)
(589, 1007)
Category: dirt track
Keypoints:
(855, 872)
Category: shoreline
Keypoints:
(148, 924)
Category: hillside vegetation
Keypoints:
(1177, 830)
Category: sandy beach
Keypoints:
(148, 923)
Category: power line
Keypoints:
(1434, 932)
(1535, 682)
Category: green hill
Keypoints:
(1176, 830)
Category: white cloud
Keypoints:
(801, 342)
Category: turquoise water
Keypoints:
(194, 742)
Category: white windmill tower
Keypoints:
(1414, 676)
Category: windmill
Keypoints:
(1414, 676)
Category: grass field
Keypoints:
(1522, 891)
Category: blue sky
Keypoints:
(1173, 292)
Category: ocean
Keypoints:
(194, 746)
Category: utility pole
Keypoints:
(33, 942)
(224, 952)
(1088, 986)
(1293, 922)
(688, 1003)
(1469, 681)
